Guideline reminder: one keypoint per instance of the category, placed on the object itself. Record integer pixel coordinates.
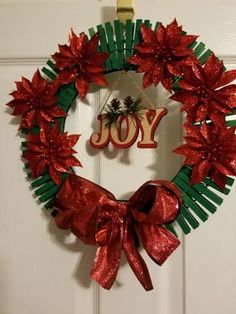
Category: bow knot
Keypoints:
(96, 217)
(114, 210)
(110, 220)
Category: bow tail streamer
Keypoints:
(107, 262)
(158, 242)
(135, 260)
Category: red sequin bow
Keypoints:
(96, 217)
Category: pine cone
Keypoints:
(128, 102)
(115, 104)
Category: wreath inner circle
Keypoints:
(163, 163)
(194, 77)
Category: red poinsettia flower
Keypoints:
(53, 149)
(81, 62)
(36, 101)
(205, 91)
(162, 53)
(210, 150)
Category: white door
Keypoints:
(46, 270)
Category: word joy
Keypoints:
(125, 132)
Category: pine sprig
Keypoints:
(115, 109)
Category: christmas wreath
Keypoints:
(196, 79)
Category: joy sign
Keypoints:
(146, 122)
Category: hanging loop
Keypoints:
(142, 93)
(111, 90)
(125, 10)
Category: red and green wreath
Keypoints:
(195, 78)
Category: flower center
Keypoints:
(163, 53)
(205, 94)
(215, 150)
(36, 101)
(50, 151)
(79, 64)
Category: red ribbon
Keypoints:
(96, 217)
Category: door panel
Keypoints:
(210, 259)
(46, 270)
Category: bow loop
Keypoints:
(156, 202)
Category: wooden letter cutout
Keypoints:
(101, 139)
(131, 133)
(148, 124)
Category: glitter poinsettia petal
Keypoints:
(226, 78)
(211, 150)
(167, 50)
(36, 101)
(80, 61)
(53, 149)
(203, 92)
